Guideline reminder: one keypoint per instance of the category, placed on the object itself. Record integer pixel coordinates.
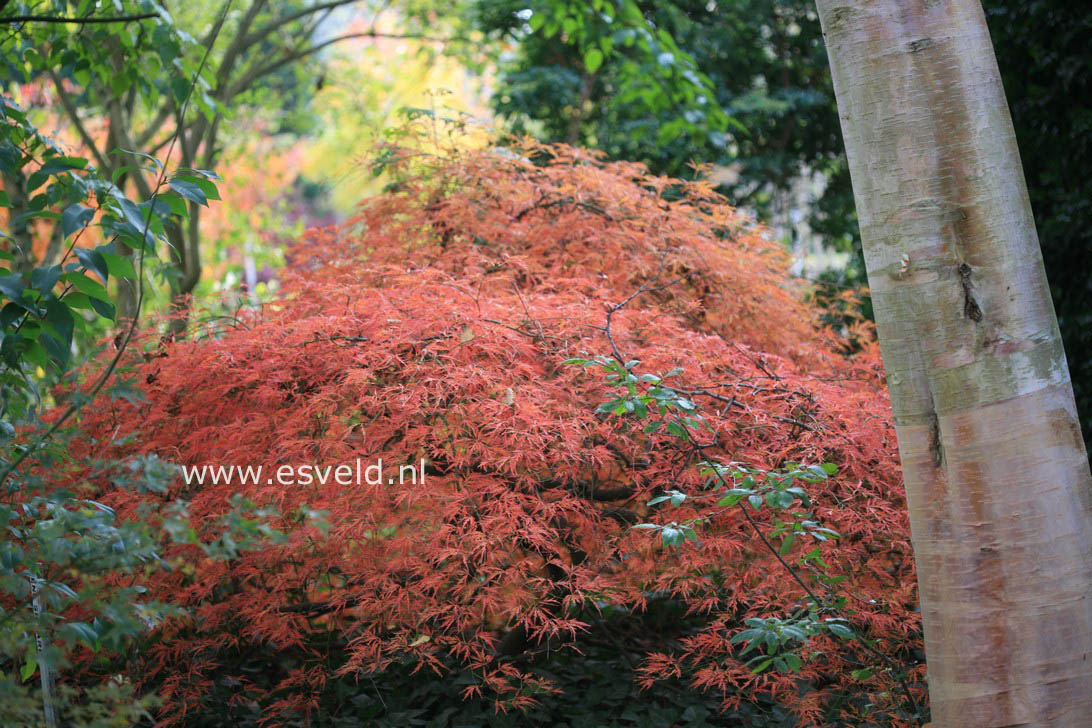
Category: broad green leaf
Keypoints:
(75, 217)
(12, 286)
(189, 190)
(93, 261)
(120, 266)
(60, 318)
(29, 668)
(840, 630)
(593, 59)
(762, 665)
(206, 185)
(44, 278)
(92, 288)
(57, 351)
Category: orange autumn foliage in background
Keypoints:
(435, 325)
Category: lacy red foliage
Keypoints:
(434, 325)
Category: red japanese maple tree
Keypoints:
(435, 325)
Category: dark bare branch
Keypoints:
(12, 19)
(269, 28)
(257, 73)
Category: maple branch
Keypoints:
(317, 340)
(605, 495)
(531, 334)
(611, 310)
(543, 205)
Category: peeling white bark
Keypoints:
(996, 473)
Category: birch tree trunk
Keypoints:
(997, 478)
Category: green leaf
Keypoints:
(674, 428)
(57, 351)
(103, 308)
(60, 318)
(93, 261)
(762, 665)
(175, 202)
(53, 165)
(75, 217)
(92, 288)
(840, 630)
(862, 674)
(207, 186)
(610, 406)
(593, 59)
(83, 632)
(29, 668)
(120, 266)
(730, 500)
(126, 168)
(745, 636)
(44, 278)
(12, 286)
(786, 543)
(189, 190)
(206, 173)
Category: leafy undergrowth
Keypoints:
(597, 689)
(435, 326)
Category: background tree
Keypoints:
(1044, 49)
(767, 65)
(116, 96)
(996, 472)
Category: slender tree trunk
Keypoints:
(21, 234)
(997, 478)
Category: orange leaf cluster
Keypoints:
(434, 325)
